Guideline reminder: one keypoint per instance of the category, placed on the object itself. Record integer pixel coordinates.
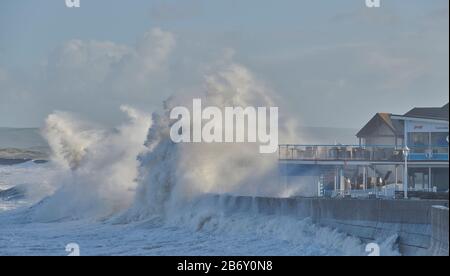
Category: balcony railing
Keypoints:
(378, 153)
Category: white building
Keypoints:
(378, 161)
(426, 132)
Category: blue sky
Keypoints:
(334, 63)
(30, 28)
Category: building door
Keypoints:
(419, 179)
(440, 179)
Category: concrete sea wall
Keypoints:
(440, 231)
(421, 229)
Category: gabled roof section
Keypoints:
(436, 113)
(379, 119)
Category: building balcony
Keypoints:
(370, 153)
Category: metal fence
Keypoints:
(360, 153)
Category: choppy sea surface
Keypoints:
(231, 234)
(26, 187)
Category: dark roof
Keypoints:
(437, 113)
(397, 125)
(381, 119)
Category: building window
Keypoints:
(439, 142)
(419, 141)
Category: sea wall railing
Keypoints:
(361, 153)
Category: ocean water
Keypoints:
(29, 224)
(22, 138)
(131, 191)
(186, 233)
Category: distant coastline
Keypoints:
(13, 156)
(21, 145)
(22, 138)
